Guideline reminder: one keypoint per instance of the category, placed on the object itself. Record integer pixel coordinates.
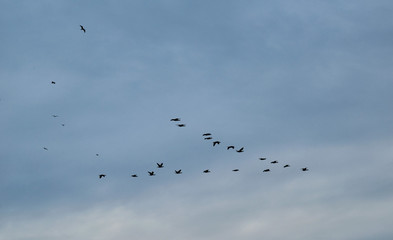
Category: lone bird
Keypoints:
(178, 171)
(160, 165)
(230, 147)
(215, 143)
(274, 162)
(82, 28)
(287, 165)
(151, 173)
(181, 125)
(235, 170)
(208, 138)
(207, 134)
(101, 175)
(304, 169)
(263, 158)
(45, 148)
(206, 171)
(240, 150)
(175, 119)
(134, 175)
(63, 124)
(97, 154)
(266, 170)
(54, 115)
(53, 82)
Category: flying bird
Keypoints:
(82, 28)
(208, 138)
(274, 162)
(63, 124)
(181, 125)
(45, 148)
(206, 171)
(54, 115)
(160, 165)
(53, 82)
(304, 169)
(287, 165)
(151, 173)
(97, 154)
(134, 175)
(266, 170)
(178, 171)
(215, 143)
(235, 170)
(263, 158)
(240, 150)
(230, 147)
(101, 175)
(175, 119)
(207, 134)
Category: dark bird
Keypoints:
(151, 173)
(63, 124)
(178, 171)
(55, 115)
(266, 170)
(206, 171)
(304, 169)
(45, 149)
(97, 154)
(274, 162)
(181, 125)
(208, 138)
(230, 147)
(215, 143)
(102, 175)
(82, 28)
(134, 175)
(207, 134)
(235, 170)
(287, 165)
(262, 158)
(175, 119)
(240, 150)
(53, 82)
(160, 165)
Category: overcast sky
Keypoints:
(305, 83)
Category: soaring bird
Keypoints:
(304, 169)
(151, 173)
(215, 143)
(160, 165)
(287, 165)
(263, 158)
(53, 82)
(235, 170)
(240, 150)
(45, 148)
(266, 170)
(178, 171)
(208, 138)
(175, 119)
(207, 134)
(181, 125)
(101, 175)
(206, 171)
(134, 175)
(54, 115)
(230, 147)
(82, 28)
(274, 162)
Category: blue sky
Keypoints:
(306, 83)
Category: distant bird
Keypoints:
(274, 162)
(207, 134)
(151, 173)
(102, 175)
(235, 170)
(175, 119)
(304, 169)
(160, 165)
(134, 175)
(97, 154)
(215, 143)
(206, 171)
(53, 82)
(287, 165)
(82, 28)
(240, 150)
(263, 158)
(208, 138)
(54, 115)
(230, 147)
(178, 171)
(63, 124)
(45, 148)
(181, 125)
(266, 170)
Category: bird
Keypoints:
(160, 165)
(240, 150)
(215, 143)
(274, 162)
(230, 147)
(287, 165)
(262, 158)
(175, 119)
(235, 170)
(304, 169)
(101, 175)
(151, 173)
(54, 115)
(266, 170)
(45, 148)
(53, 82)
(181, 125)
(208, 138)
(82, 28)
(97, 154)
(134, 175)
(178, 171)
(207, 134)
(206, 171)
(63, 124)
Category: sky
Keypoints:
(305, 83)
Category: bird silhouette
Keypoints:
(181, 125)
(208, 138)
(266, 170)
(230, 147)
(235, 170)
(274, 162)
(207, 134)
(262, 158)
(82, 28)
(101, 175)
(151, 173)
(175, 119)
(45, 148)
(178, 171)
(53, 82)
(240, 150)
(206, 171)
(287, 165)
(160, 165)
(134, 175)
(54, 115)
(97, 154)
(215, 143)
(304, 169)
(63, 124)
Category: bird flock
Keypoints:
(206, 136)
